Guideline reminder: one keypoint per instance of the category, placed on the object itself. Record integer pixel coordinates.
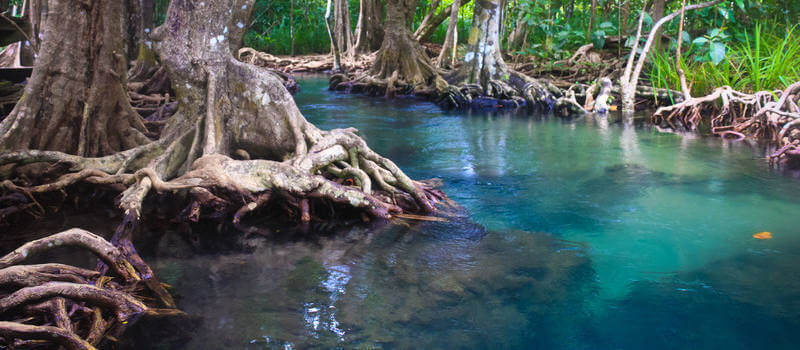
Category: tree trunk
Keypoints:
(592, 13)
(329, 23)
(447, 56)
(657, 14)
(342, 29)
(369, 31)
(633, 68)
(399, 51)
(483, 61)
(75, 100)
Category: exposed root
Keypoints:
(732, 113)
(66, 305)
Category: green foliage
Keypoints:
(765, 59)
(270, 26)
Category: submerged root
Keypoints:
(517, 92)
(70, 306)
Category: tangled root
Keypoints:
(738, 115)
(71, 306)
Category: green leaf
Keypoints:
(717, 52)
(686, 37)
(647, 19)
(606, 25)
(700, 41)
(740, 3)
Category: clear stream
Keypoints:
(575, 234)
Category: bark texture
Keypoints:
(483, 61)
(369, 29)
(344, 33)
(75, 99)
(400, 54)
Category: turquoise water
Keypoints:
(574, 234)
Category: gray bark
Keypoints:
(75, 100)
(483, 61)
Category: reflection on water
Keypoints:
(649, 244)
(426, 285)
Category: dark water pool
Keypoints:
(647, 244)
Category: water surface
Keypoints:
(575, 234)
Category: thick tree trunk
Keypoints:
(483, 61)
(75, 100)
(369, 31)
(399, 52)
(447, 57)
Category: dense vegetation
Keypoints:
(727, 44)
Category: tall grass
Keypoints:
(763, 60)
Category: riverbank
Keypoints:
(570, 88)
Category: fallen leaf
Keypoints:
(763, 235)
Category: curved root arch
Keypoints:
(71, 306)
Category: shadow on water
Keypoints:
(400, 285)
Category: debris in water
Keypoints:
(763, 235)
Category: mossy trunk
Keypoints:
(483, 61)
(75, 100)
